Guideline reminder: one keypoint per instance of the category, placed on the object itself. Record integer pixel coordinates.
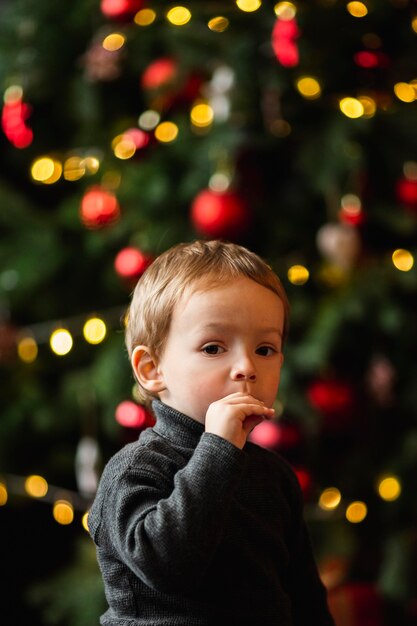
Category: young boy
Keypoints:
(194, 525)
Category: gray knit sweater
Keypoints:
(192, 531)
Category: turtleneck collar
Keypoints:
(175, 426)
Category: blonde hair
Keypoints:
(200, 264)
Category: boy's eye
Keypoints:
(266, 351)
(213, 348)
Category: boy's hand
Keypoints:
(234, 416)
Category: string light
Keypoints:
(248, 5)
(63, 512)
(113, 42)
(27, 349)
(148, 120)
(403, 260)
(36, 486)
(356, 512)
(218, 24)
(369, 106)
(389, 488)
(46, 170)
(94, 330)
(178, 16)
(123, 147)
(61, 341)
(166, 132)
(202, 115)
(309, 87)
(74, 168)
(3, 494)
(145, 17)
(330, 499)
(285, 10)
(357, 9)
(298, 274)
(405, 92)
(84, 521)
(351, 107)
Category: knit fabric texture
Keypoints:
(191, 531)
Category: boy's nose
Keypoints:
(243, 370)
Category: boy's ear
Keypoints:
(146, 370)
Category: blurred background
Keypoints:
(128, 126)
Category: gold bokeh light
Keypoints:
(351, 107)
(114, 42)
(178, 16)
(403, 260)
(330, 499)
(63, 512)
(202, 115)
(3, 494)
(27, 349)
(61, 341)
(248, 5)
(36, 486)
(389, 488)
(309, 87)
(145, 17)
(94, 330)
(356, 512)
(218, 24)
(166, 132)
(285, 10)
(357, 9)
(298, 274)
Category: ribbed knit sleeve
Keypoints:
(166, 527)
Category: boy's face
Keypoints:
(222, 341)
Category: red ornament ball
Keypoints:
(99, 207)
(335, 400)
(219, 215)
(131, 262)
(120, 9)
(132, 415)
(160, 73)
(406, 191)
(276, 435)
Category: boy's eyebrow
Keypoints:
(225, 326)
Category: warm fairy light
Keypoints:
(414, 24)
(145, 17)
(166, 132)
(357, 9)
(27, 349)
(178, 16)
(36, 486)
(351, 107)
(113, 42)
(285, 10)
(298, 274)
(123, 147)
(218, 24)
(202, 115)
(389, 488)
(46, 170)
(351, 204)
(94, 330)
(84, 521)
(405, 92)
(219, 182)
(248, 5)
(309, 87)
(403, 260)
(330, 499)
(149, 120)
(60, 341)
(74, 168)
(63, 512)
(3, 494)
(369, 105)
(13, 94)
(91, 164)
(356, 512)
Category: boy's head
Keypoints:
(184, 269)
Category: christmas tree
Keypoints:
(129, 126)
